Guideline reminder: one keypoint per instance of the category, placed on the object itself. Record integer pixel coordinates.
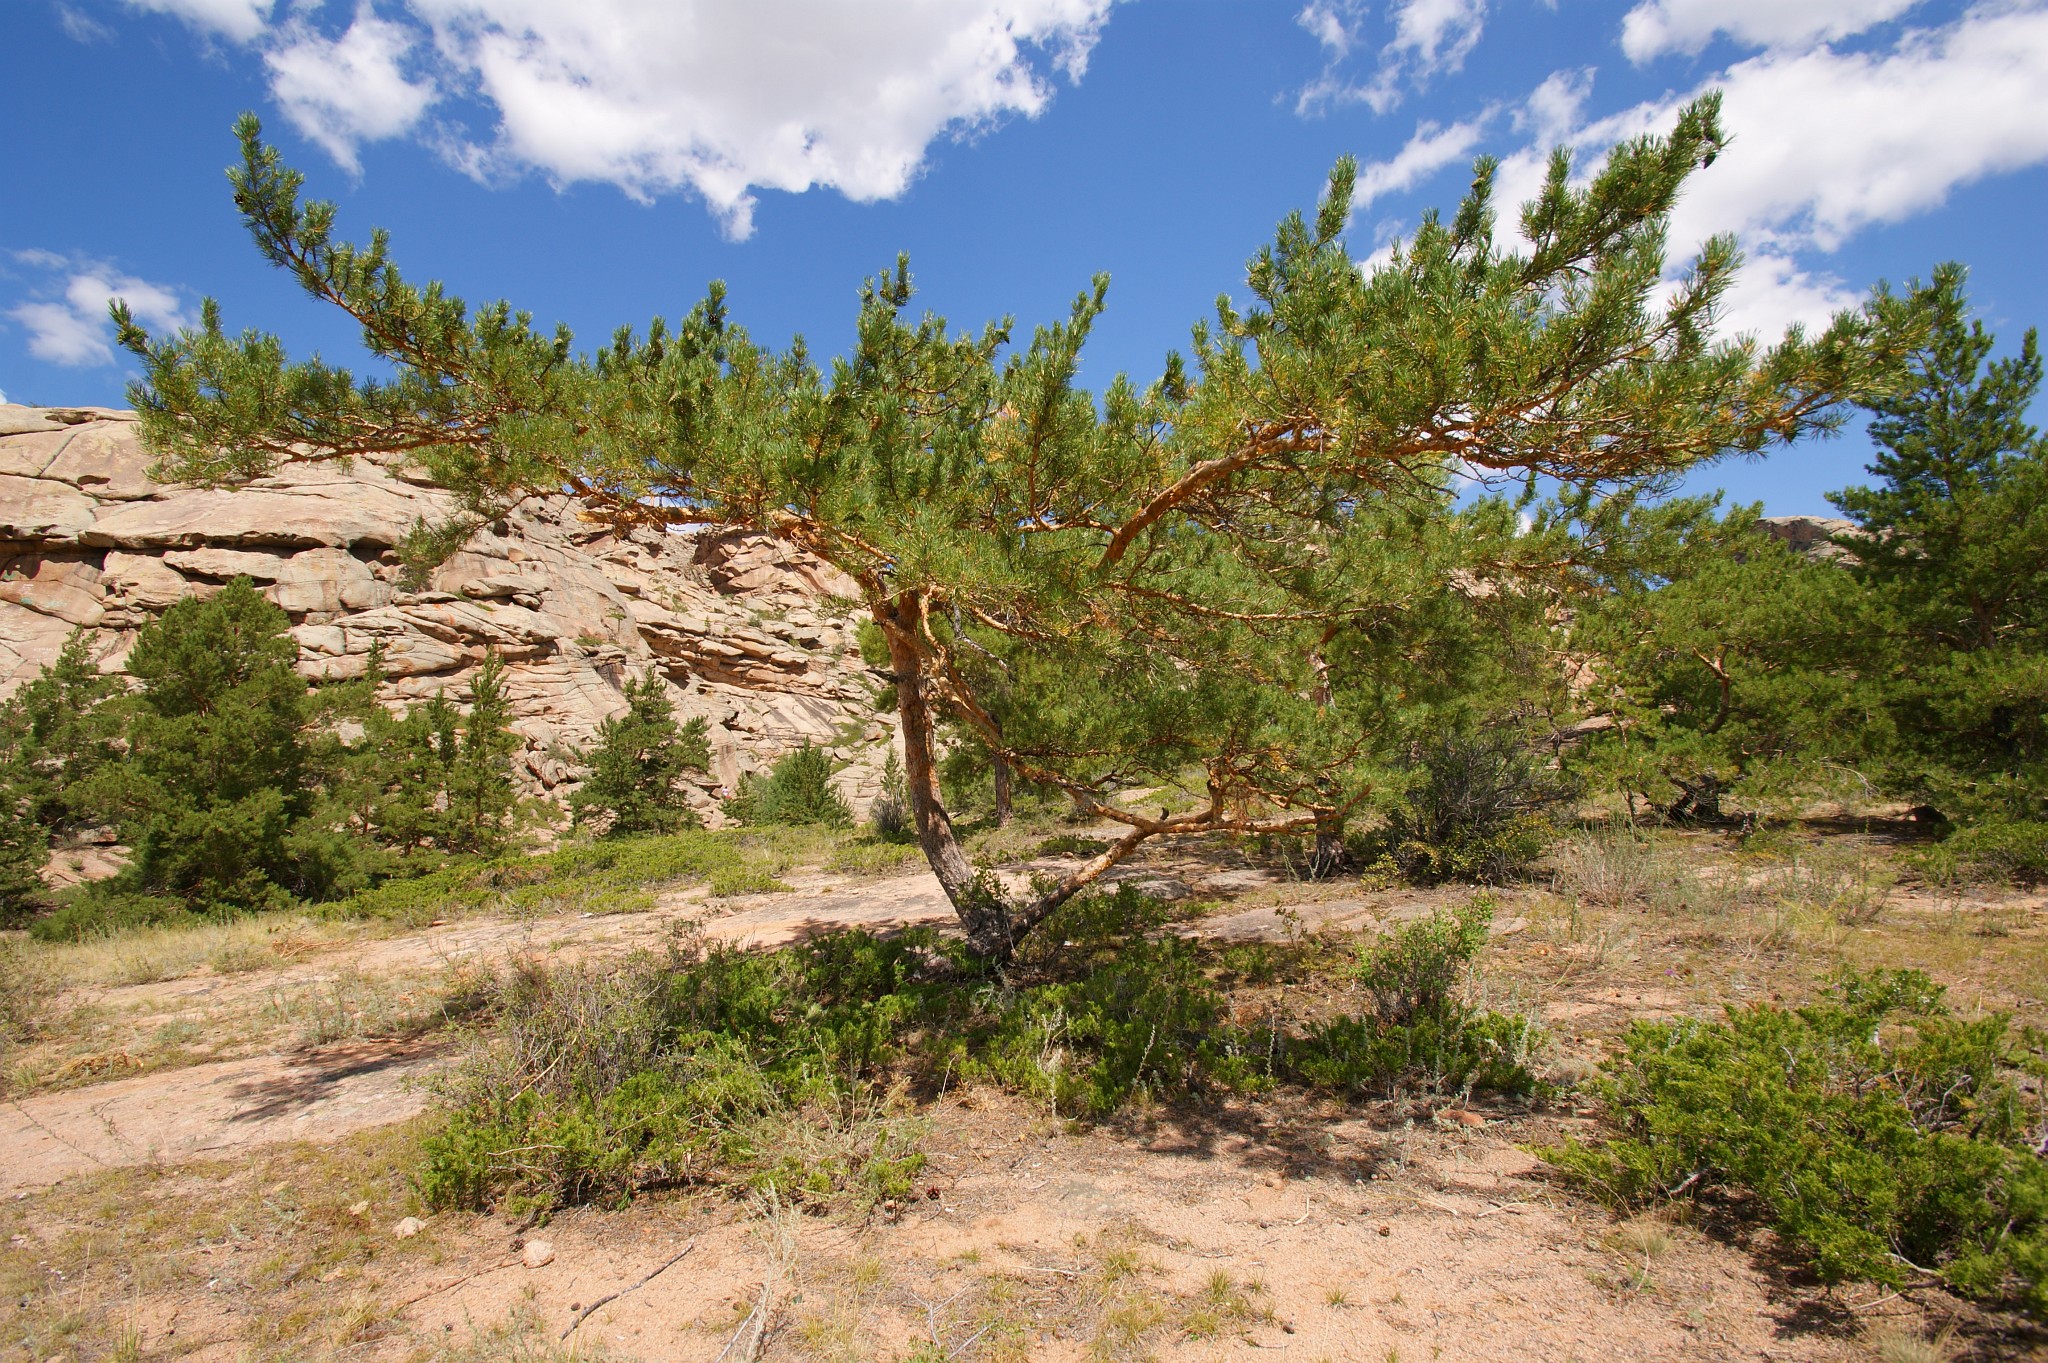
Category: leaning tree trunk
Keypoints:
(992, 924)
(983, 914)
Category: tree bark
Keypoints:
(1002, 783)
(982, 913)
(1328, 857)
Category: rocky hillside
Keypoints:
(747, 632)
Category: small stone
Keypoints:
(1386, 1230)
(408, 1228)
(537, 1254)
(358, 1208)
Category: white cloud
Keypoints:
(241, 20)
(68, 323)
(1430, 37)
(1655, 27)
(1824, 143)
(342, 92)
(719, 98)
(1773, 292)
(1553, 109)
(81, 27)
(1427, 152)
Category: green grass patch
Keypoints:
(610, 876)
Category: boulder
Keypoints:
(327, 581)
(1811, 535)
(143, 581)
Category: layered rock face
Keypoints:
(749, 633)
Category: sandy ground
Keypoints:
(1338, 1237)
(326, 1092)
(1400, 1232)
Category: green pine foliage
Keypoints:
(1238, 569)
(215, 776)
(57, 730)
(797, 790)
(24, 849)
(1952, 550)
(481, 800)
(1916, 667)
(1885, 1138)
(639, 759)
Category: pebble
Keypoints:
(408, 1228)
(537, 1254)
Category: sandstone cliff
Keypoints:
(748, 632)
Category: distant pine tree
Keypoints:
(639, 758)
(481, 799)
(215, 775)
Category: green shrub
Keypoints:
(610, 876)
(1880, 1135)
(717, 1067)
(797, 791)
(1417, 968)
(1452, 1050)
(102, 909)
(2002, 851)
(1478, 810)
(890, 815)
(1419, 1030)
(778, 1068)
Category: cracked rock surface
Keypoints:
(749, 633)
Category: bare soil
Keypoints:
(246, 1207)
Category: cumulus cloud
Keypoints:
(342, 92)
(1427, 152)
(241, 20)
(1430, 37)
(66, 319)
(719, 98)
(1823, 144)
(1655, 27)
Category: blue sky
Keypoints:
(597, 162)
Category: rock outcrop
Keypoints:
(748, 632)
(1813, 536)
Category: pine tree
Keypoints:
(797, 791)
(24, 848)
(1225, 573)
(58, 729)
(1952, 545)
(215, 775)
(481, 798)
(639, 758)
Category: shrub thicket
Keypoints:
(777, 1069)
(797, 791)
(1420, 1028)
(1477, 809)
(1883, 1137)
